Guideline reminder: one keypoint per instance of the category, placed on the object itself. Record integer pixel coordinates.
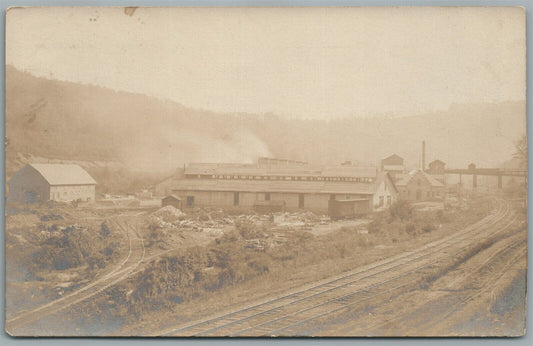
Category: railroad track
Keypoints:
(519, 256)
(283, 315)
(135, 256)
(507, 250)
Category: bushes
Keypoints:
(401, 210)
(410, 228)
(69, 247)
(104, 230)
(186, 274)
(156, 234)
(428, 227)
(376, 225)
(443, 217)
(247, 230)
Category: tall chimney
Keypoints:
(423, 155)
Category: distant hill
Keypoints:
(50, 119)
(57, 119)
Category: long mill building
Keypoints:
(290, 185)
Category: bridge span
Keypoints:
(497, 172)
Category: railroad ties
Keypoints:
(285, 315)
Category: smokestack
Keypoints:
(423, 155)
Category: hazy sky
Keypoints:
(310, 62)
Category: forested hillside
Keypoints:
(120, 131)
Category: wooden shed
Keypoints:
(348, 208)
(172, 200)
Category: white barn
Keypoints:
(36, 183)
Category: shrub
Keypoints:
(247, 230)
(104, 230)
(376, 224)
(108, 251)
(410, 228)
(442, 216)
(401, 210)
(156, 233)
(260, 265)
(428, 227)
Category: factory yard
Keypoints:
(170, 268)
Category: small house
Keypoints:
(420, 186)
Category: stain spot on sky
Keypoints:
(129, 10)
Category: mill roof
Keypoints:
(280, 170)
(279, 186)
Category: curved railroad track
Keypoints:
(135, 256)
(285, 314)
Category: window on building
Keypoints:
(381, 200)
(235, 198)
(389, 200)
(301, 200)
(267, 196)
(190, 201)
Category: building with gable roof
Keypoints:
(37, 183)
(437, 169)
(417, 185)
(393, 164)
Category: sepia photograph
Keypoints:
(265, 172)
